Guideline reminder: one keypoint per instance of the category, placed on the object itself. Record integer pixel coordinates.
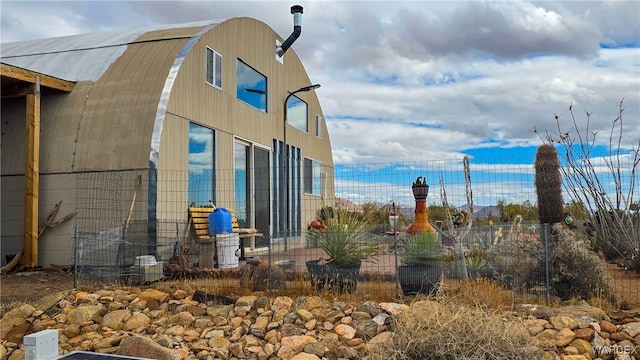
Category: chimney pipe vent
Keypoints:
(296, 10)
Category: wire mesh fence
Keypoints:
(140, 227)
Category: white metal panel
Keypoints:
(78, 57)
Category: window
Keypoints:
(241, 184)
(312, 177)
(251, 86)
(289, 223)
(201, 165)
(318, 126)
(252, 189)
(214, 68)
(297, 113)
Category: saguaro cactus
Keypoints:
(548, 185)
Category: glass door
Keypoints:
(262, 186)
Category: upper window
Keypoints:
(318, 126)
(251, 86)
(214, 68)
(312, 176)
(297, 113)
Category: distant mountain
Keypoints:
(479, 212)
(483, 212)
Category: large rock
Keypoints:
(184, 318)
(48, 300)
(535, 310)
(137, 320)
(293, 345)
(13, 318)
(146, 348)
(85, 313)
(154, 295)
(577, 311)
(115, 319)
(305, 356)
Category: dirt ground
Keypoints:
(30, 286)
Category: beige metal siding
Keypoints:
(60, 120)
(13, 133)
(173, 174)
(55, 246)
(108, 125)
(192, 99)
(116, 127)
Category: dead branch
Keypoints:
(48, 223)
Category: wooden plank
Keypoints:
(200, 223)
(196, 210)
(32, 176)
(14, 72)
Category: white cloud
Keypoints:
(418, 80)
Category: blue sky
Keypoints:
(422, 80)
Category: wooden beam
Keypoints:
(17, 73)
(32, 175)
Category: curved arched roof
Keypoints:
(87, 57)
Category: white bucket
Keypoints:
(145, 260)
(227, 246)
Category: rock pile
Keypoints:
(161, 325)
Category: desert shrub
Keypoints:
(258, 276)
(434, 330)
(577, 271)
(518, 261)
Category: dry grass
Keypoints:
(485, 294)
(448, 330)
(296, 285)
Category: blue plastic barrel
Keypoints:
(220, 222)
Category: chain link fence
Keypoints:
(137, 228)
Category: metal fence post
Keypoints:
(547, 259)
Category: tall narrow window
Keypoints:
(318, 126)
(201, 165)
(241, 184)
(251, 86)
(214, 68)
(312, 177)
(297, 113)
(283, 220)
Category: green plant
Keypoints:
(605, 184)
(475, 258)
(345, 239)
(420, 181)
(421, 248)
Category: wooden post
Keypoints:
(32, 175)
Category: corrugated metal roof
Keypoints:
(86, 57)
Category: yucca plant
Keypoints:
(345, 239)
(421, 248)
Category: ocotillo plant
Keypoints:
(548, 185)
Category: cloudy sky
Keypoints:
(423, 79)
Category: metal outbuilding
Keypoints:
(128, 102)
